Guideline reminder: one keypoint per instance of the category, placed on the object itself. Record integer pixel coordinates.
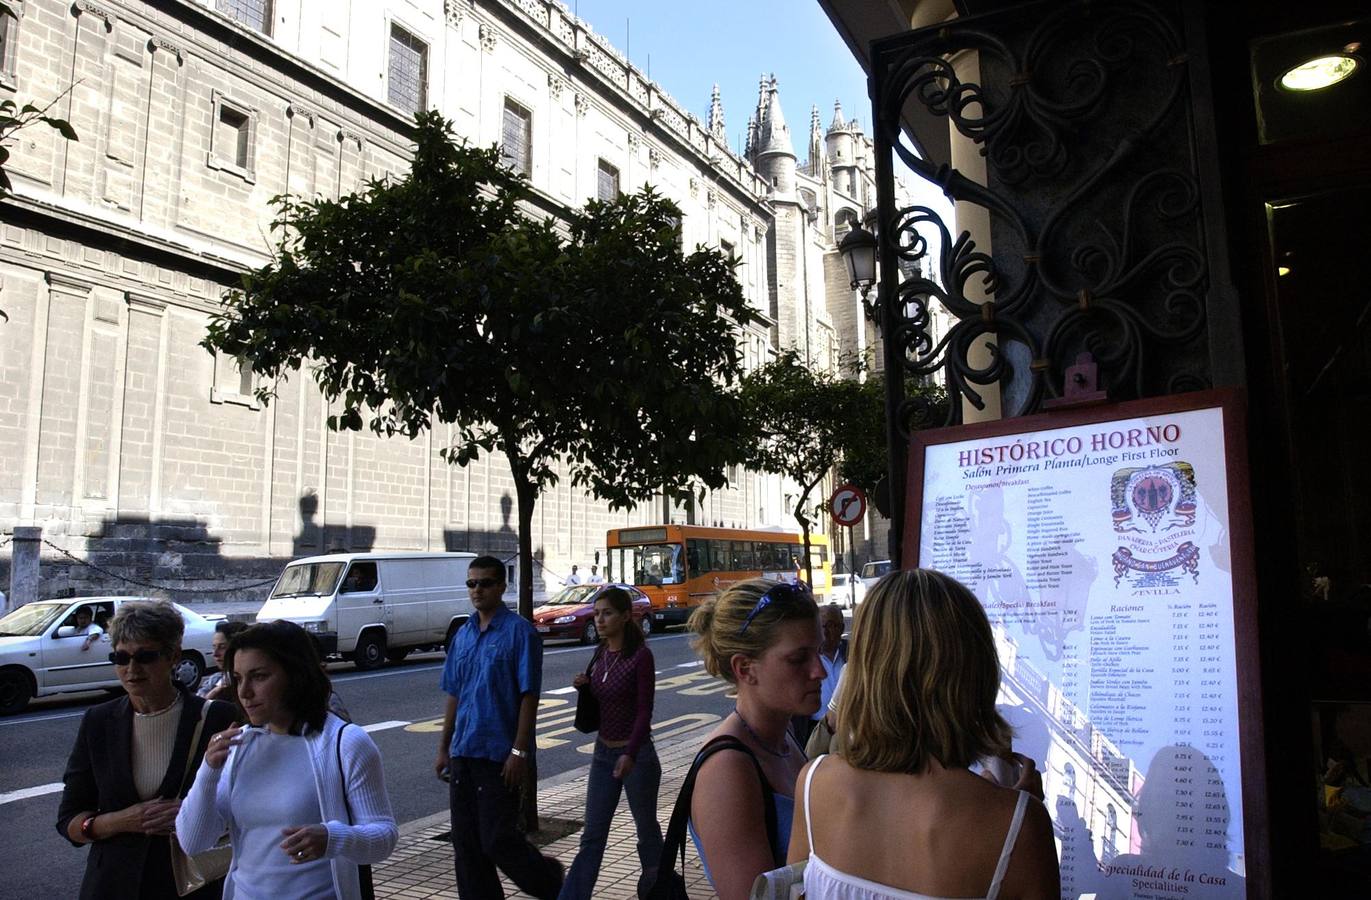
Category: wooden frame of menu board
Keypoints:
(1111, 547)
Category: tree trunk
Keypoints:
(804, 527)
(527, 495)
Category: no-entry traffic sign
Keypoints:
(848, 504)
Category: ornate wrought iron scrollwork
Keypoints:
(1083, 114)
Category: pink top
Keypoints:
(625, 687)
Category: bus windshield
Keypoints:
(649, 564)
(309, 578)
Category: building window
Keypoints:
(726, 247)
(9, 43)
(607, 182)
(407, 83)
(234, 382)
(232, 146)
(255, 14)
(516, 145)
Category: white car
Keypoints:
(41, 655)
(847, 591)
(874, 571)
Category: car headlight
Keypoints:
(562, 620)
(315, 627)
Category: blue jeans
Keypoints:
(602, 799)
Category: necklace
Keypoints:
(158, 712)
(760, 743)
(606, 669)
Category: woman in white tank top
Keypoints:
(899, 814)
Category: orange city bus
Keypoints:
(680, 566)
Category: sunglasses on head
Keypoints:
(142, 657)
(482, 582)
(783, 591)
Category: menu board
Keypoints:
(1111, 551)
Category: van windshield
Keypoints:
(308, 578)
(876, 569)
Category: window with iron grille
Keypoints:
(607, 183)
(516, 145)
(407, 84)
(9, 32)
(255, 14)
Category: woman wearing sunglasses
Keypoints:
(300, 792)
(763, 637)
(126, 774)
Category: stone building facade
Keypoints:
(144, 455)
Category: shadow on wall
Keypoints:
(184, 561)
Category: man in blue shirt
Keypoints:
(493, 676)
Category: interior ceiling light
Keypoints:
(1319, 73)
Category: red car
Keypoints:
(571, 612)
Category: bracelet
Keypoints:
(515, 751)
(88, 829)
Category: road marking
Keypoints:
(565, 690)
(382, 726)
(26, 793)
(687, 722)
(690, 665)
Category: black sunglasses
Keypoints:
(781, 591)
(482, 582)
(142, 657)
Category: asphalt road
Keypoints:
(400, 705)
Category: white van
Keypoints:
(369, 607)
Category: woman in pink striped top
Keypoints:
(623, 678)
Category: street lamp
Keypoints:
(859, 253)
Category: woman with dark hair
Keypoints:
(126, 774)
(622, 678)
(292, 836)
(899, 813)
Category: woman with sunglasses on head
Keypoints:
(127, 773)
(899, 815)
(622, 677)
(300, 792)
(763, 637)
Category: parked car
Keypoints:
(370, 607)
(874, 571)
(41, 655)
(571, 612)
(847, 590)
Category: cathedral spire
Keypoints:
(838, 123)
(774, 132)
(815, 166)
(716, 116)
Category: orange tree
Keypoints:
(592, 345)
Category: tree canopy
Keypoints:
(592, 345)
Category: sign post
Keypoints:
(848, 506)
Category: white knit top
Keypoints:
(207, 812)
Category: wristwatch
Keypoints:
(88, 828)
(515, 751)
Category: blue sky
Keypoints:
(694, 44)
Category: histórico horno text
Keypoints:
(1102, 555)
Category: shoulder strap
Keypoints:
(599, 648)
(194, 742)
(674, 843)
(809, 820)
(342, 776)
(1008, 848)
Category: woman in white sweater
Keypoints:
(293, 836)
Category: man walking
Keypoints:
(595, 576)
(573, 578)
(492, 676)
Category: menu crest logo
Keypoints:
(1154, 515)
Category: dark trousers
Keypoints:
(484, 836)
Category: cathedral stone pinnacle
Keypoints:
(716, 116)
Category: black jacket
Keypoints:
(99, 777)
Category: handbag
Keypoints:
(670, 884)
(190, 873)
(364, 878)
(587, 704)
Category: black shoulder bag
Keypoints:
(670, 884)
(587, 704)
(363, 870)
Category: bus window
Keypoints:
(719, 556)
(697, 556)
(743, 557)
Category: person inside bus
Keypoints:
(763, 637)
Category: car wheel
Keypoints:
(647, 625)
(398, 654)
(371, 651)
(15, 692)
(590, 635)
(190, 670)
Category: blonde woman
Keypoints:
(900, 815)
(763, 637)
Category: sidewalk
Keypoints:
(421, 866)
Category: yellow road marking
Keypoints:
(687, 722)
